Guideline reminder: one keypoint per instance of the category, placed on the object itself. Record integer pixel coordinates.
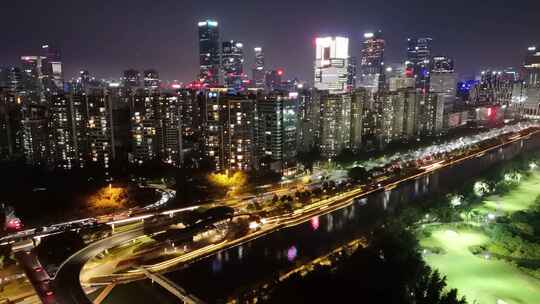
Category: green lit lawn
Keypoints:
(521, 198)
(486, 281)
(477, 278)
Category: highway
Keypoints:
(67, 283)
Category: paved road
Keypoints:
(67, 284)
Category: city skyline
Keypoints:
(280, 152)
(167, 40)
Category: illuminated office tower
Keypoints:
(335, 123)
(31, 77)
(495, 87)
(83, 82)
(131, 79)
(352, 71)
(209, 60)
(418, 61)
(532, 67)
(371, 74)
(258, 70)
(232, 63)
(151, 80)
(52, 70)
(274, 80)
(443, 81)
(11, 78)
(332, 64)
(442, 77)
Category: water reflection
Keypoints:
(315, 223)
(240, 252)
(292, 253)
(330, 223)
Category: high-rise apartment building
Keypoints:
(230, 131)
(100, 139)
(358, 103)
(169, 129)
(276, 124)
(35, 134)
(62, 146)
(143, 127)
(335, 123)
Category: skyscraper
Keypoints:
(495, 87)
(532, 67)
(131, 79)
(332, 64)
(442, 77)
(418, 60)
(151, 80)
(372, 61)
(32, 75)
(209, 60)
(232, 61)
(52, 67)
(258, 69)
(273, 80)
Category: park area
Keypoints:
(463, 251)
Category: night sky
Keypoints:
(107, 37)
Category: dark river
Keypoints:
(228, 272)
